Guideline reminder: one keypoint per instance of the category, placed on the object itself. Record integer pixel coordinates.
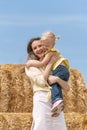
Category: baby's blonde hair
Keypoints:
(49, 34)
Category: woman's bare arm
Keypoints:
(54, 79)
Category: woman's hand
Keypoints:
(52, 79)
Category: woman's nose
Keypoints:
(38, 49)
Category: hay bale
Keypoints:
(15, 121)
(22, 121)
(21, 94)
(85, 122)
(16, 98)
(76, 121)
(5, 83)
(74, 100)
(85, 91)
(16, 93)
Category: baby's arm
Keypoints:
(37, 63)
(47, 70)
(52, 60)
(34, 63)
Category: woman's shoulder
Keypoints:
(32, 71)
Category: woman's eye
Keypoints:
(39, 45)
(34, 48)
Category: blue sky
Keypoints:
(21, 20)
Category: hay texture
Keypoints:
(15, 90)
(22, 121)
(16, 99)
(75, 98)
(15, 121)
(76, 121)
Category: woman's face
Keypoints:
(38, 48)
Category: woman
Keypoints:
(42, 115)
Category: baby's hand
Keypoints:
(29, 63)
